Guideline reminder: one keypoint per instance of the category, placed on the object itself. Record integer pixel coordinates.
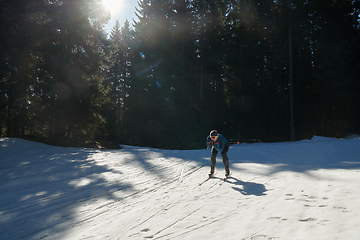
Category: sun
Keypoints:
(113, 6)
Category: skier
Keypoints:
(218, 143)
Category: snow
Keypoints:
(293, 190)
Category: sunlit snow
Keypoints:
(295, 190)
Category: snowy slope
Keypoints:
(296, 190)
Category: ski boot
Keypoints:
(211, 173)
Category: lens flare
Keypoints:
(158, 84)
(142, 55)
(142, 68)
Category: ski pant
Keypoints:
(225, 158)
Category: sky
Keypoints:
(300, 190)
(121, 11)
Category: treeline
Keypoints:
(269, 70)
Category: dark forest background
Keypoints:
(269, 70)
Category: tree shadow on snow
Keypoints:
(247, 188)
(301, 156)
(44, 187)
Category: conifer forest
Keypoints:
(278, 70)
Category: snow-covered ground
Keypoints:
(302, 190)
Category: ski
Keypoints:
(206, 179)
(224, 179)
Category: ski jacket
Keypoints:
(219, 144)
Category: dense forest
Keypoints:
(269, 70)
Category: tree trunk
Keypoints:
(291, 85)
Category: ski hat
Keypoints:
(213, 133)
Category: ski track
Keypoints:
(144, 193)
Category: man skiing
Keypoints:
(217, 143)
